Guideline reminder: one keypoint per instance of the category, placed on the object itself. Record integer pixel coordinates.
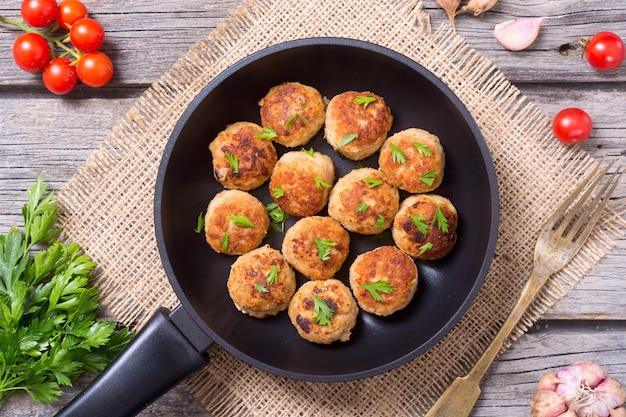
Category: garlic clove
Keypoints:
(618, 412)
(478, 6)
(549, 382)
(518, 34)
(450, 7)
(611, 392)
(547, 404)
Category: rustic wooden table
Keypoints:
(52, 136)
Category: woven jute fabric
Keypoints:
(107, 205)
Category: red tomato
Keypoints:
(605, 51)
(39, 13)
(31, 52)
(69, 12)
(60, 76)
(87, 34)
(95, 69)
(572, 125)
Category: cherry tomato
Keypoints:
(87, 34)
(60, 76)
(39, 13)
(69, 12)
(572, 125)
(605, 51)
(95, 69)
(31, 52)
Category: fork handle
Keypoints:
(461, 396)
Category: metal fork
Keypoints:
(564, 233)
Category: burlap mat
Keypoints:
(107, 205)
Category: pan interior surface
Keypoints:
(446, 287)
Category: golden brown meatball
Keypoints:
(241, 160)
(301, 182)
(383, 280)
(414, 160)
(294, 111)
(235, 222)
(357, 123)
(425, 226)
(323, 311)
(316, 246)
(364, 201)
(261, 282)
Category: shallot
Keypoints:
(518, 34)
(582, 389)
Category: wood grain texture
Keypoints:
(52, 136)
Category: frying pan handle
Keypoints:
(168, 348)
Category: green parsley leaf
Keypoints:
(440, 219)
(418, 221)
(425, 247)
(48, 332)
(323, 248)
(224, 241)
(323, 313)
(293, 118)
(380, 221)
(320, 183)
(241, 221)
(361, 207)
(309, 151)
(233, 161)
(261, 288)
(268, 133)
(422, 149)
(272, 276)
(376, 287)
(429, 177)
(200, 223)
(372, 182)
(278, 192)
(347, 138)
(364, 100)
(397, 155)
(277, 216)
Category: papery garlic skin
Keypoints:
(582, 389)
(478, 6)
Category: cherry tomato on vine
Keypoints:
(31, 52)
(605, 51)
(39, 13)
(87, 34)
(572, 125)
(69, 12)
(60, 76)
(95, 69)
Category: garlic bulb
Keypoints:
(582, 389)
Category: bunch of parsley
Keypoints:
(49, 334)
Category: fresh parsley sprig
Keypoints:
(49, 334)
(323, 313)
(376, 287)
(324, 247)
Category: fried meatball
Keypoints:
(425, 226)
(414, 160)
(241, 160)
(383, 280)
(295, 112)
(307, 311)
(235, 222)
(261, 282)
(364, 201)
(316, 246)
(301, 182)
(357, 123)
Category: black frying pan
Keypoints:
(173, 345)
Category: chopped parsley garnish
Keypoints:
(440, 219)
(422, 149)
(429, 177)
(272, 276)
(323, 248)
(309, 151)
(268, 133)
(320, 183)
(418, 221)
(380, 221)
(397, 155)
(323, 313)
(425, 247)
(347, 138)
(373, 182)
(376, 287)
(200, 223)
(361, 207)
(278, 192)
(233, 161)
(364, 100)
(224, 241)
(293, 118)
(277, 216)
(261, 288)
